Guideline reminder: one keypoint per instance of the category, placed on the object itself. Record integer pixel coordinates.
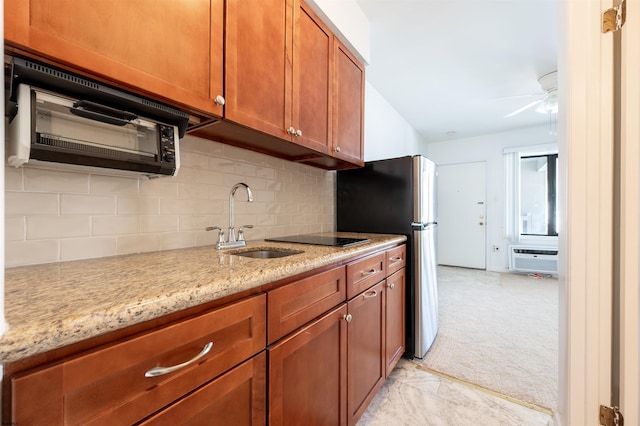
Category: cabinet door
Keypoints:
(365, 347)
(257, 77)
(162, 47)
(394, 312)
(348, 114)
(237, 398)
(307, 374)
(312, 79)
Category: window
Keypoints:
(531, 188)
(538, 195)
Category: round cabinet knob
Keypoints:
(291, 131)
(347, 317)
(337, 149)
(392, 286)
(298, 132)
(219, 100)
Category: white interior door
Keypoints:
(462, 215)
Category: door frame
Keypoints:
(585, 141)
(585, 147)
(630, 218)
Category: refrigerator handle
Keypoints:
(418, 225)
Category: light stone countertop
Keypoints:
(53, 305)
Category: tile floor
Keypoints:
(412, 396)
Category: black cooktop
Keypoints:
(320, 240)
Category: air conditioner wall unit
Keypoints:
(538, 259)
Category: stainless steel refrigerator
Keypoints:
(398, 196)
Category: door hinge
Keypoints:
(611, 416)
(613, 19)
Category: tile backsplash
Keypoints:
(57, 215)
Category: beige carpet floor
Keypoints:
(498, 331)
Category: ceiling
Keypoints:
(456, 65)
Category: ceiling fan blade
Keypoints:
(530, 105)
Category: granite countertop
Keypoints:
(53, 305)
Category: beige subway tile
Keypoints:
(200, 222)
(28, 203)
(13, 178)
(245, 169)
(187, 206)
(158, 224)
(265, 172)
(115, 225)
(87, 204)
(19, 253)
(138, 243)
(114, 185)
(137, 205)
(14, 228)
(196, 190)
(161, 187)
(44, 180)
(47, 227)
(87, 248)
(177, 240)
(193, 160)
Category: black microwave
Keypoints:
(62, 118)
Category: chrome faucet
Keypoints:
(231, 236)
(233, 241)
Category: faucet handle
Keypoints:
(220, 232)
(241, 232)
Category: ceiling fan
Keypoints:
(548, 99)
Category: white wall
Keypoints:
(489, 148)
(386, 133)
(348, 23)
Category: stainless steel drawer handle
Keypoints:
(369, 272)
(370, 294)
(159, 371)
(395, 259)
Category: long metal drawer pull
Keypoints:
(159, 371)
(369, 272)
(395, 259)
(370, 294)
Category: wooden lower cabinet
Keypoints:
(365, 349)
(237, 398)
(308, 374)
(394, 318)
(114, 384)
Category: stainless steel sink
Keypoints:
(266, 253)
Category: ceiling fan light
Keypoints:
(547, 108)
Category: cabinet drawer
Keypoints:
(108, 385)
(295, 304)
(235, 398)
(364, 273)
(396, 259)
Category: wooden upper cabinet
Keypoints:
(312, 79)
(256, 92)
(169, 50)
(278, 71)
(348, 104)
